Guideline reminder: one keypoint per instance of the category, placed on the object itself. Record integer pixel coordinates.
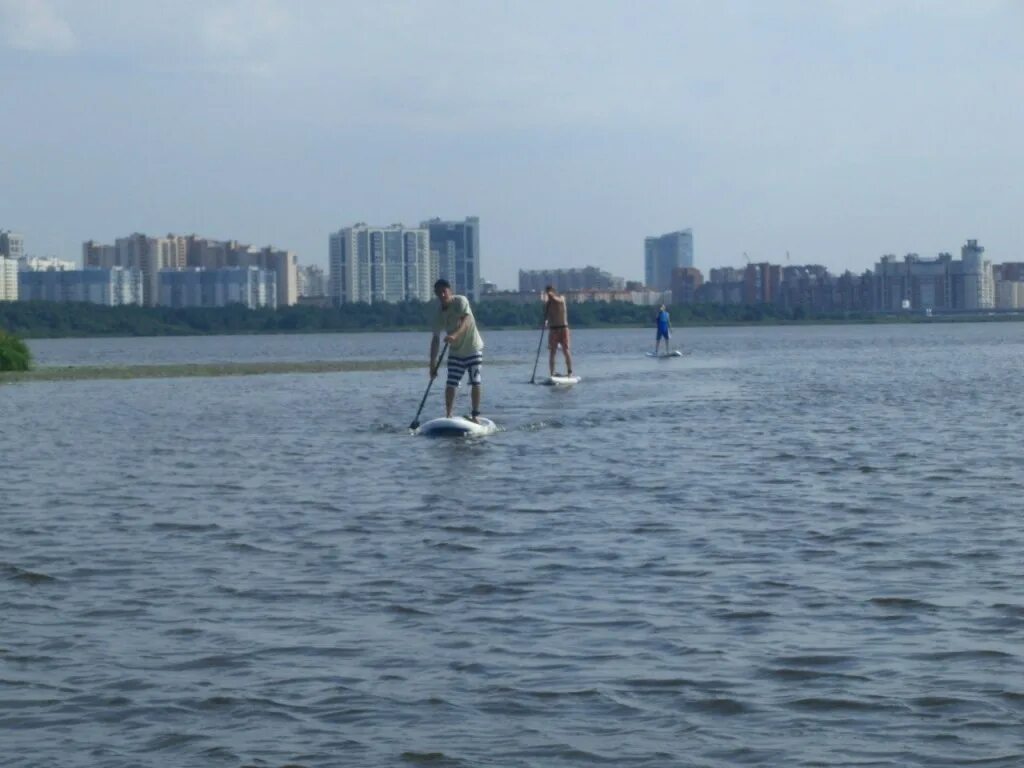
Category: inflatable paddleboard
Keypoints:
(561, 381)
(457, 426)
(675, 353)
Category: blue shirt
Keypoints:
(663, 320)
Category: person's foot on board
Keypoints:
(474, 417)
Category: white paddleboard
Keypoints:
(457, 426)
(561, 381)
(674, 353)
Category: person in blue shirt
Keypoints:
(664, 330)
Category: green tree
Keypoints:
(14, 353)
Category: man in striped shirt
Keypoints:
(465, 346)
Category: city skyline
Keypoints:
(396, 264)
(195, 250)
(833, 131)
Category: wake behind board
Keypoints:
(457, 426)
(674, 353)
(561, 381)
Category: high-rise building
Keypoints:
(136, 251)
(8, 279)
(761, 283)
(12, 245)
(940, 283)
(284, 265)
(664, 253)
(1009, 270)
(96, 255)
(1010, 294)
(455, 250)
(978, 285)
(207, 253)
(111, 287)
(312, 281)
(44, 264)
(725, 285)
(585, 279)
(686, 282)
(252, 287)
(151, 255)
(379, 264)
(810, 287)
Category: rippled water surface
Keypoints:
(793, 547)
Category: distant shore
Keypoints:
(39, 320)
(765, 322)
(177, 371)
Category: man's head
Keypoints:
(662, 307)
(549, 290)
(443, 291)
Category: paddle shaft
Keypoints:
(537, 359)
(416, 421)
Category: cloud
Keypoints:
(244, 36)
(34, 25)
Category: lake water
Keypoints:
(796, 546)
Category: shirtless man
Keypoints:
(556, 317)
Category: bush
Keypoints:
(14, 354)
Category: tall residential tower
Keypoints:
(455, 250)
(379, 264)
(12, 245)
(665, 253)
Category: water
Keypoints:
(797, 546)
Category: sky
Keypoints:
(790, 131)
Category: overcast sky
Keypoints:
(835, 131)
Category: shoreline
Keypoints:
(878, 319)
(203, 370)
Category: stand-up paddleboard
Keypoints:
(561, 381)
(674, 353)
(457, 426)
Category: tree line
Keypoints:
(41, 319)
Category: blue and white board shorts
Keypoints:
(457, 366)
(662, 333)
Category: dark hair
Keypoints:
(549, 288)
(441, 284)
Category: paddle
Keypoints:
(537, 360)
(416, 421)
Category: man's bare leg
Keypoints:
(475, 399)
(568, 361)
(551, 361)
(449, 400)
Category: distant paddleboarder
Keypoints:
(664, 330)
(465, 347)
(556, 317)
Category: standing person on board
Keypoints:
(465, 347)
(556, 317)
(664, 330)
